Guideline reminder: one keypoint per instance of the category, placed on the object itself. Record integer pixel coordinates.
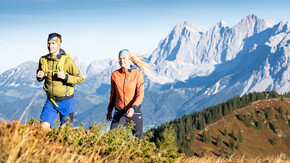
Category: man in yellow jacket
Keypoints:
(60, 74)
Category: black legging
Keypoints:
(120, 118)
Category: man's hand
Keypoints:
(130, 112)
(61, 75)
(109, 116)
(40, 74)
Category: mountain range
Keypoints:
(191, 69)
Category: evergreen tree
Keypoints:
(204, 136)
(225, 109)
(281, 110)
(230, 107)
(167, 139)
(220, 112)
(208, 118)
(178, 132)
(240, 137)
(219, 141)
(260, 122)
(245, 100)
(188, 150)
(252, 116)
(208, 137)
(201, 122)
(222, 151)
(232, 143)
(259, 96)
(225, 132)
(202, 153)
(215, 114)
(235, 105)
(253, 96)
(193, 133)
(273, 140)
(233, 134)
(273, 126)
(273, 94)
(265, 95)
(188, 124)
(238, 100)
(269, 114)
(238, 146)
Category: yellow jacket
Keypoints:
(53, 86)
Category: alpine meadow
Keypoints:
(217, 95)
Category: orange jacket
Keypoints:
(127, 89)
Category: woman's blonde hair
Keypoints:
(138, 61)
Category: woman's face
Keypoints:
(124, 61)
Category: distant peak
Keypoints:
(283, 22)
(218, 26)
(26, 63)
(254, 22)
(254, 18)
(251, 17)
(185, 23)
(221, 24)
(188, 25)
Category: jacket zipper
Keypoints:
(124, 90)
(52, 79)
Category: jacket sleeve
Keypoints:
(112, 95)
(139, 94)
(73, 75)
(39, 69)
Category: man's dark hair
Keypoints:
(57, 35)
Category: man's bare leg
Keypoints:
(45, 126)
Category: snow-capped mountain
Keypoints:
(105, 66)
(22, 75)
(192, 68)
(98, 74)
(189, 51)
(260, 60)
(251, 56)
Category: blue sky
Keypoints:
(98, 29)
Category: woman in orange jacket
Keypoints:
(127, 92)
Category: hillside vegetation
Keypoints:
(256, 124)
(28, 143)
(256, 132)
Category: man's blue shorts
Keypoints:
(49, 111)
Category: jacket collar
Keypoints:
(58, 56)
(126, 70)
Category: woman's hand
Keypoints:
(130, 112)
(109, 116)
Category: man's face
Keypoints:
(53, 45)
